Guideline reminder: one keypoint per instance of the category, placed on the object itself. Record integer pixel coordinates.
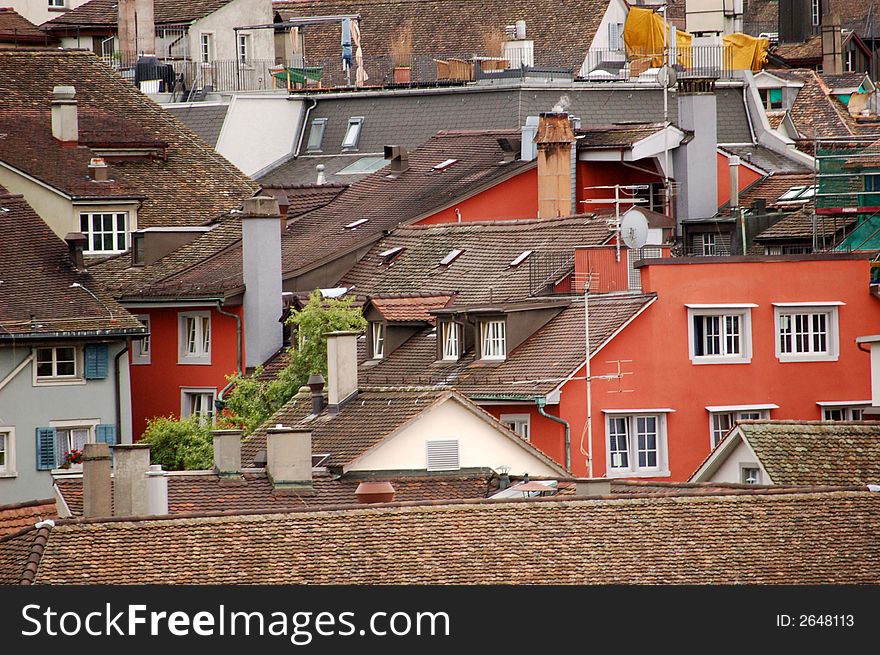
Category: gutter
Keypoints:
(541, 401)
(302, 130)
(220, 396)
(118, 393)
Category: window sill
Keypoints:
(141, 363)
(793, 359)
(700, 361)
(189, 362)
(637, 474)
(59, 383)
(11, 474)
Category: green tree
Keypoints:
(253, 400)
(180, 445)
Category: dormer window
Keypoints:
(378, 335)
(449, 332)
(493, 339)
(771, 98)
(107, 232)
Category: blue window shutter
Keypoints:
(106, 433)
(46, 456)
(96, 361)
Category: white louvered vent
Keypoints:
(443, 455)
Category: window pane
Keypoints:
(618, 442)
(206, 335)
(2, 451)
(191, 335)
(65, 361)
(84, 223)
(646, 433)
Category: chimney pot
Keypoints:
(316, 387)
(289, 457)
(65, 122)
(733, 164)
(132, 461)
(592, 487)
(322, 179)
(97, 488)
(227, 453)
(157, 491)
(342, 371)
(76, 243)
(398, 159)
(98, 169)
(375, 492)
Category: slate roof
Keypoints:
(767, 160)
(104, 13)
(482, 272)
(793, 538)
(365, 422)
(205, 119)
(561, 38)
(301, 171)
(536, 367)
(16, 29)
(36, 272)
(190, 187)
(200, 492)
(408, 308)
(615, 136)
(24, 515)
(816, 452)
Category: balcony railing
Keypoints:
(692, 61)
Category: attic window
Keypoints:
(316, 134)
(353, 133)
(520, 258)
(450, 257)
(443, 165)
(356, 223)
(390, 255)
(798, 193)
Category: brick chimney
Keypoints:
(289, 457)
(65, 122)
(99, 171)
(694, 163)
(832, 46)
(261, 261)
(96, 480)
(136, 28)
(227, 453)
(76, 243)
(342, 369)
(131, 461)
(554, 142)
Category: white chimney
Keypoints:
(157, 491)
(342, 368)
(131, 462)
(65, 123)
(733, 163)
(227, 453)
(96, 480)
(694, 163)
(528, 149)
(261, 261)
(289, 457)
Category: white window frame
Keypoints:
(743, 311)
(450, 334)
(498, 340)
(115, 233)
(206, 54)
(89, 424)
(520, 424)
(316, 135)
(708, 246)
(201, 354)
(735, 413)
(140, 347)
(7, 441)
(377, 338)
(615, 36)
(57, 4)
(815, 12)
(186, 397)
(352, 128)
(749, 466)
(832, 330)
(632, 469)
(59, 380)
(851, 410)
(243, 48)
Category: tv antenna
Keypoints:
(629, 198)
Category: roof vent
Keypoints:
(356, 223)
(398, 160)
(375, 492)
(511, 149)
(443, 165)
(450, 257)
(390, 255)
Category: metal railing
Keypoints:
(691, 61)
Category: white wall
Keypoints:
(480, 444)
(37, 11)
(729, 471)
(260, 130)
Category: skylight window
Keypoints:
(316, 134)
(356, 223)
(353, 133)
(364, 165)
(450, 257)
(443, 165)
(389, 255)
(798, 193)
(520, 258)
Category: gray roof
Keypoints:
(206, 120)
(302, 169)
(766, 159)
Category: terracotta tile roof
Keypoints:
(851, 80)
(798, 224)
(20, 554)
(770, 188)
(534, 368)
(818, 112)
(407, 308)
(24, 515)
(793, 538)
(303, 198)
(190, 187)
(199, 492)
(16, 29)
(797, 52)
(482, 272)
(816, 452)
(775, 118)
(35, 293)
(767, 160)
(561, 37)
(598, 137)
(104, 13)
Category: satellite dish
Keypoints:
(634, 229)
(666, 76)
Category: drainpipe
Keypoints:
(220, 396)
(302, 131)
(541, 401)
(118, 393)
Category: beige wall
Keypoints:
(480, 444)
(37, 11)
(260, 130)
(729, 471)
(222, 22)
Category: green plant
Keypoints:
(253, 399)
(180, 445)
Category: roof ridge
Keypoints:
(36, 554)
